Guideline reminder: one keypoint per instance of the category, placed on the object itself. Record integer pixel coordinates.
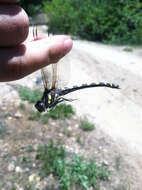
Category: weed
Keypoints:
(25, 159)
(32, 96)
(76, 171)
(13, 188)
(1, 185)
(3, 129)
(52, 157)
(78, 139)
(34, 116)
(61, 111)
(86, 125)
(128, 49)
(22, 106)
(67, 132)
(117, 162)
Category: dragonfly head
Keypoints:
(40, 106)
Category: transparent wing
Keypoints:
(62, 72)
(44, 78)
(56, 75)
(49, 76)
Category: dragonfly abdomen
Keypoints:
(101, 84)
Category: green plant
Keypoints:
(117, 162)
(106, 21)
(52, 157)
(32, 96)
(61, 111)
(86, 125)
(22, 106)
(32, 7)
(78, 139)
(1, 185)
(13, 188)
(3, 129)
(25, 159)
(128, 49)
(74, 171)
(34, 116)
(67, 132)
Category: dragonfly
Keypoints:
(53, 95)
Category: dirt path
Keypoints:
(116, 112)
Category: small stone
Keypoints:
(9, 118)
(18, 114)
(100, 147)
(11, 167)
(91, 188)
(34, 178)
(53, 123)
(27, 169)
(76, 126)
(18, 169)
(105, 163)
(34, 165)
(60, 134)
(73, 139)
(70, 128)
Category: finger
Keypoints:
(15, 63)
(14, 25)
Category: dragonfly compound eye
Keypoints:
(40, 106)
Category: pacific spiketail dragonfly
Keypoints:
(53, 95)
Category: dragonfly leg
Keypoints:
(69, 100)
(59, 100)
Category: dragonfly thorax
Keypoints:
(49, 100)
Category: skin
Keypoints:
(18, 58)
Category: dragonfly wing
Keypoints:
(63, 72)
(54, 75)
(47, 77)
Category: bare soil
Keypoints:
(117, 139)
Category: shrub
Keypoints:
(105, 21)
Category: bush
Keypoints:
(104, 21)
(32, 7)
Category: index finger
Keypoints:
(9, 1)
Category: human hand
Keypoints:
(18, 59)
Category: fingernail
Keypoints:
(67, 45)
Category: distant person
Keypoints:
(18, 59)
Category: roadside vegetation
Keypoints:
(75, 171)
(32, 96)
(59, 112)
(52, 158)
(107, 21)
(86, 125)
(56, 150)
